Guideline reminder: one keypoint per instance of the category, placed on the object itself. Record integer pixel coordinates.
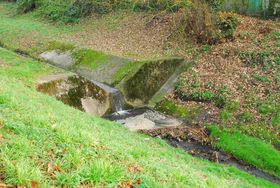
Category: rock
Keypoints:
(139, 123)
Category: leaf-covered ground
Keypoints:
(240, 77)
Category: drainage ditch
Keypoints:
(99, 99)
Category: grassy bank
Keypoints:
(252, 150)
(249, 149)
(33, 35)
(41, 144)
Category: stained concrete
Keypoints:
(60, 59)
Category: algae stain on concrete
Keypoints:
(77, 92)
(140, 87)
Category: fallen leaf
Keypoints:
(57, 168)
(34, 184)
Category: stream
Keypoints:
(156, 124)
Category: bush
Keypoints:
(228, 23)
(200, 23)
(24, 6)
(65, 10)
(155, 5)
(215, 4)
(72, 10)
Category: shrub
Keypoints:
(73, 10)
(65, 10)
(215, 4)
(24, 6)
(227, 23)
(155, 5)
(200, 23)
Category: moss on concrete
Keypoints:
(179, 111)
(142, 84)
(90, 58)
(127, 69)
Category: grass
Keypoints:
(34, 36)
(47, 143)
(249, 149)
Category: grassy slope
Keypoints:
(41, 142)
(21, 32)
(27, 34)
(106, 33)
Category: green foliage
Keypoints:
(24, 6)
(155, 5)
(72, 10)
(246, 117)
(268, 107)
(266, 58)
(250, 149)
(65, 10)
(277, 38)
(204, 96)
(215, 4)
(228, 23)
(225, 116)
(62, 10)
(260, 78)
(207, 26)
(199, 22)
(232, 106)
(205, 48)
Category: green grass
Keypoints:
(250, 149)
(44, 141)
(26, 33)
